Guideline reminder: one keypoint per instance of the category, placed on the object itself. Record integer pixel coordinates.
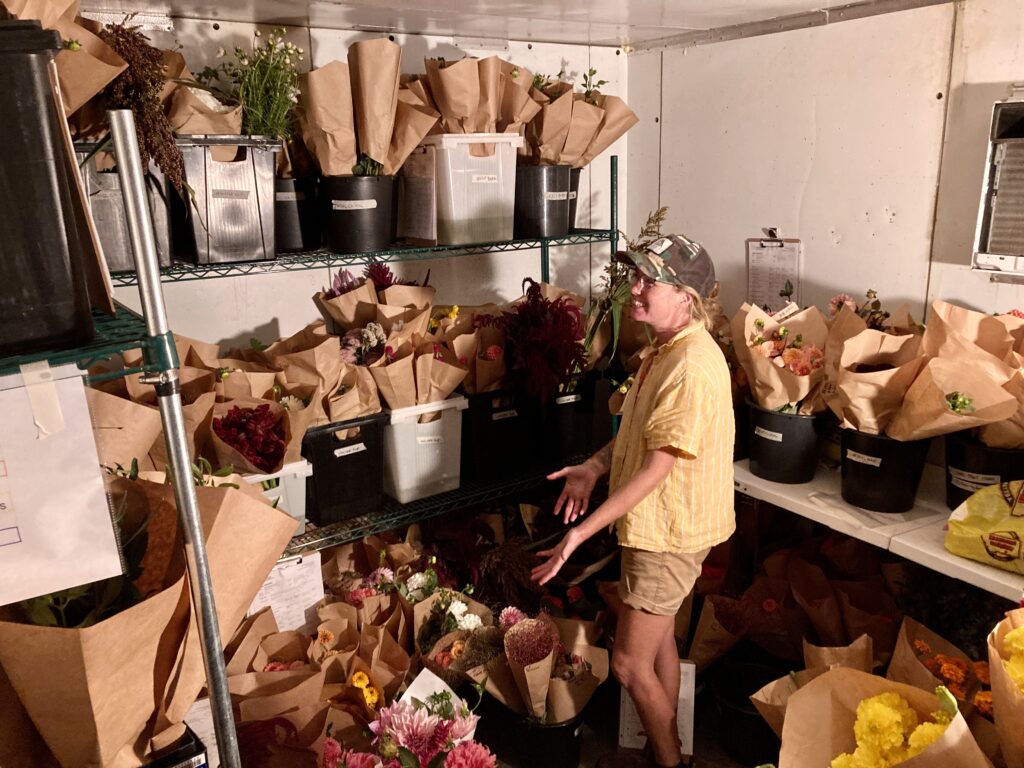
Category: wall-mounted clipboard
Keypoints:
(773, 271)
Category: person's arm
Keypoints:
(580, 480)
(656, 467)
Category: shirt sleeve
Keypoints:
(677, 418)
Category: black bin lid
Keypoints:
(27, 36)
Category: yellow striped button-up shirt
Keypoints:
(682, 400)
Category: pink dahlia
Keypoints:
(470, 754)
(350, 759)
(463, 728)
(332, 753)
(405, 725)
(509, 617)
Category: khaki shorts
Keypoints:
(658, 582)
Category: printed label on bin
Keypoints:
(971, 481)
(566, 399)
(556, 196)
(348, 450)
(230, 194)
(430, 440)
(775, 437)
(572, 195)
(290, 197)
(863, 458)
(485, 178)
(510, 413)
(353, 205)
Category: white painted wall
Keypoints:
(231, 310)
(836, 135)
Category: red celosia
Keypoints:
(382, 277)
(256, 433)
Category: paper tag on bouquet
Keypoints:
(55, 525)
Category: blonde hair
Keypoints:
(698, 308)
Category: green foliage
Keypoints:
(367, 166)
(591, 85)
(960, 403)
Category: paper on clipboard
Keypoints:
(293, 589)
(773, 271)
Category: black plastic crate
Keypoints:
(577, 423)
(501, 432)
(188, 752)
(348, 474)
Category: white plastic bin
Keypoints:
(423, 459)
(287, 487)
(451, 196)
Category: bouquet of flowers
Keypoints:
(348, 303)
(363, 346)
(1006, 665)
(256, 433)
(444, 612)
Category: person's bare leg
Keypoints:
(639, 637)
(666, 666)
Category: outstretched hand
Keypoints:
(556, 558)
(580, 480)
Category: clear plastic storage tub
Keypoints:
(423, 459)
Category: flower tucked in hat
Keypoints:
(674, 259)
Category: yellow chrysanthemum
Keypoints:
(360, 680)
(924, 736)
(1013, 643)
(883, 724)
(453, 312)
(372, 696)
(1015, 669)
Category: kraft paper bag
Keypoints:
(286, 647)
(773, 700)
(304, 693)
(547, 132)
(866, 609)
(719, 628)
(241, 650)
(388, 662)
(374, 66)
(455, 87)
(774, 387)
(820, 718)
(359, 398)
(857, 655)
(618, 118)
(517, 108)
(420, 297)
(326, 118)
(567, 697)
(293, 424)
(198, 419)
(1007, 698)
(1008, 434)
(413, 123)
(812, 592)
(353, 309)
(584, 123)
(395, 379)
(82, 74)
(489, 109)
(987, 332)
(124, 430)
(310, 356)
(867, 400)
(925, 412)
(437, 373)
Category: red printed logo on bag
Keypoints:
(1004, 546)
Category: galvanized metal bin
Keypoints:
(232, 217)
(103, 191)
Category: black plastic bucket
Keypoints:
(296, 215)
(542, 201)
(970, 465)
(574, 195)
(783, 446)
(357, 216)
(879, 473)
(44, 301)
(742, 732)
(548, 746)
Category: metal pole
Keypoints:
(615, 204)
(140, 226)
(545, 261)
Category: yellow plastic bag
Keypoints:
(989, 527)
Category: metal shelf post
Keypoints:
(162, 362)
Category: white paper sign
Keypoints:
(292, 590)
(773, 273)
(55, 526)
(631, 730)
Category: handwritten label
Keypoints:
(863, 458)
(230, 194)
(566, 399)
(511, 413)
(555, 196)
(353, 205)
(430, 440)
(290, 197)
(775, 437)
(485, 178)
(971, 481)
(348, 450)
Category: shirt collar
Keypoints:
(682, 334)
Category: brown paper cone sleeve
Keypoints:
(1007, 698)
(926, 413)
(374, 66)
(22, 746)
(547, 132)
(711, 639)
(306, 692)
(465, 348)
(941, 340)
(584, 124)
(567, 698)
(772, 700)
(389, 663)
(123, 430)
(907, 666)
(336, 639)
(857, 655)
(420, 88)
(496, 675)
(844, 325)
(869, 610)
(198, 420)
(412, 124)
(420, 297)
(869, 401)
(456, 92)
(820, 718)
(618, 118)
(237, 385)
(47, 12)
(326, 118)
(813, 593)
(241, 651)
(435, 379)
(987, 332)
(517, 108)
(84, 73)
(350, 310)
(288, 646)
(533, 681)
(308, 357)
(396, 382)
(228, 456)
(361, 398)
(189, 116)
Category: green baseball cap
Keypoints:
(674, 259)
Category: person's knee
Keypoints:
(624, 669)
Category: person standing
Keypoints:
(671, 479)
